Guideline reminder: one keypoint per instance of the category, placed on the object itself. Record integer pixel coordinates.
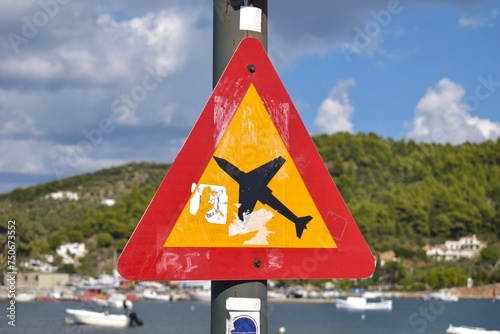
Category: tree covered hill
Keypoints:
(416, 192)
(402, 195)
(43, 223)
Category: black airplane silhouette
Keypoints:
(253, 188)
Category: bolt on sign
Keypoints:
(248, 196)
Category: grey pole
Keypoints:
(227, 36)
(227, 33)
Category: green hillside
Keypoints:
(402, 195)
(416, 192)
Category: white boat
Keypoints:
(444, 295)
(153, 295)
(103, 319)
(360, 303)
(25, 297)
(372, 294)
(116, 300)
(200, 296)
(469, 330)
(276, 295)
(379, 294)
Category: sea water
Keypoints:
(407, 316)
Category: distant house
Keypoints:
(49, 281)
(38, 266)
(60, 195)
(71, 252)
(468, 247)
(108, 201)
(389, 256)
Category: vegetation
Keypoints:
(42, 223)
(403, 195)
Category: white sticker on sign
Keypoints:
(216, 203)
(251, 18)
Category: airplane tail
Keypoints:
(300, 225)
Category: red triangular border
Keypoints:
(145, 258)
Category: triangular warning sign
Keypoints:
(248, 196)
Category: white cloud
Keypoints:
(65, 77)
(19, 123)
(63, 81)
(474, 21)
(9, 8)
(443, 116)
(112, 53)
(44, 157)
(368, 46)
(24, 156)
(349, 28)
(31, 68)
(71, 159)
(477, 21)
(335, 111)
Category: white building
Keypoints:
(71, 252)
(108, 201)
(39, 266)
(41, 281)
(468, 246)
(59, 195)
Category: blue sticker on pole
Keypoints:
(244, 325)
(244, 315)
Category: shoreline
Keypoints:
(488, 292)
(491, 292)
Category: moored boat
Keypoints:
(444, 295)
(469, 330)
(25, 297)
(103, 319)
(203, 296)
(153, 295)
(116, 301)
(360, 303)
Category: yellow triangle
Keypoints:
(210, 218)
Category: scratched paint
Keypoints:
(275, 259)
(249, 135)
(255, 227)
(175, 262)
(281, 112)
(222, 108)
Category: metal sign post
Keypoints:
(233, 21)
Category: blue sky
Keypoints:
(423, 70)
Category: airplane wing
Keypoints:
(267, 171)
(229, 168)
